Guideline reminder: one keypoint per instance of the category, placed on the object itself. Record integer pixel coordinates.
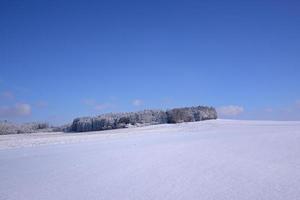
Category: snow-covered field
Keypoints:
(218, 159)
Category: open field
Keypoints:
(216, 159)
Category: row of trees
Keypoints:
(116, 120)
(11, 128)
(146, 117)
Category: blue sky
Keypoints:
(63, 59)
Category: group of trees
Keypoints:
(146, 117)
(11, 128)
(191, 114)
(118, 120)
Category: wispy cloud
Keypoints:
(297, 103)
(289, 111)
(97, 106)
(166, 101)
(7, 95)
(89, 102)
(41, 104)
(103, 106)
(268, 110)
(137, 102)
(18, 110)
(230, 110)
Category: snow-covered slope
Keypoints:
(218, 159)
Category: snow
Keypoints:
(217, 159)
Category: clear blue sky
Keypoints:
(63, 59)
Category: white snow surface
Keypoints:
(208, 160)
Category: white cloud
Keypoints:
(137, 102)
(18, 110)
(23, 109)
(230, 110)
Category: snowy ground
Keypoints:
(218, 159)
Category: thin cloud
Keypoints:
(298, 104)
(89, 102)
(18, 110)
(284, 112)
(166, 101)
(104, 106)
(269, 110)
(41, 104)
(7, 95)
(137, 102)
(92, 103)
(230, 110)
